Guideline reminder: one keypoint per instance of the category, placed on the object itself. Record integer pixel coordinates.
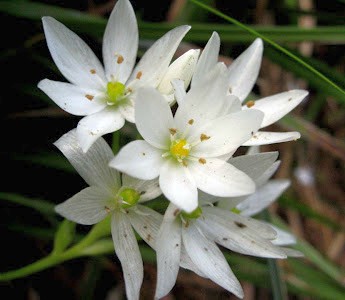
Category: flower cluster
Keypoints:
(186, 156)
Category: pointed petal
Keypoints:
(72, 98)
(292, 252)
(283, 238)
(138, 159)
(277, 106)
(120, 42)
(146, 223)
(148, 189)
(267, 138)
(93, 165)
(156, 59)
(204, 102)
(168, 249)
(91, 127)
(254, 165)
(153, 117)
(219, 178)
(225, 134)
(208, 58)
(211, 261)
(244, 70)
(74, 58)
(263, 197)
(87, 207)
(267, 174)
(182, 68)
(178, 185)
(237, 234)
(179, 90)
(262, 229)
(127, 250)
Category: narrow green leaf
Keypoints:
(338, 90)
(40, 205)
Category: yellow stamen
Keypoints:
(179, 149)
(250, 103)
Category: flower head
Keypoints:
(106, 95)
(185, 150)
(195, 235)
(242, 74)
(110, 194)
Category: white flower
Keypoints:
(107, 195)
(260, 167)
(196, 236)
(185, 150)
(105, 95)
(242, 75)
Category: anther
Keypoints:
(250, 103)
(93, 71)
(89, 97)
(204, 137)
(120, 59)
(139, 74)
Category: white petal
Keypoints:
(178, 186)
(127, 250)
(235, 233)
(138, 159)
(226, 133)
(277, 106)
(263, 197)
(87, 207)
(283, 238)
(204, 102)
(219, 178)
(182, 68)
(153, 117)
(168, 249)
(75, 60)
(254, 165)
(127, 111)
(148, 189)
(292, 252)
(208, 58)
(91, 127)
(92, 165)
(207, 256)
(267, 174)
(244, 70)
(120, 42)
(235, 104)
(146, 223)
(156, 59)
(266, 138)
(262, 229)
(179, 90)
(72, 98)
(230, 203)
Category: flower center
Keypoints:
(196, 213)
(115, 91)
(130, 197)
(179, 149)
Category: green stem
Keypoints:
(115, 145)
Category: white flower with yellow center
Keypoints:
(195, 235)
(109, 194)
(106, 95)
(185, 150)
(242, 74)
